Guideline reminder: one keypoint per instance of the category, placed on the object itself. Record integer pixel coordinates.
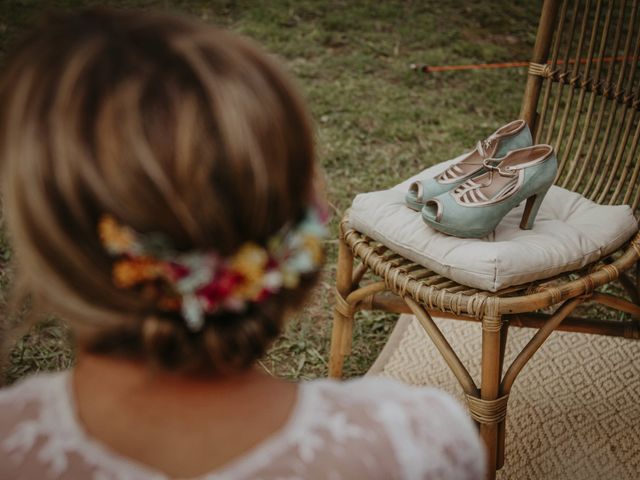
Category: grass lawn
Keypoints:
(377, 120)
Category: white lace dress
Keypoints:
(369, 428)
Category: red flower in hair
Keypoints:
(220, 288)
(178, 271)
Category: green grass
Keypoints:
(377, 120)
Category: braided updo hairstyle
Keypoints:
(170, 125)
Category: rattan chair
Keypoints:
(583, 97)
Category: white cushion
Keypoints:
(570, 232)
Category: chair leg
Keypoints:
(341, 334)
(492, 350)
(638, 278)
(504, 330)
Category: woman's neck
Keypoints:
(140, 413)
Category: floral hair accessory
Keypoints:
(199, 283)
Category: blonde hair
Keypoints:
(169, 125)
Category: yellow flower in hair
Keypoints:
(249, 290)
(128, 273)
(290, 279)
(115, 238)
(314, 246)
(250, 262)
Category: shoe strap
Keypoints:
(470, 192)
(494, 165)
(485, 146)
(454, 173)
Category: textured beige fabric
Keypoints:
(570, 232)
(574, 411)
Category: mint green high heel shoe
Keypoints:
(511, 136)
(476, 207)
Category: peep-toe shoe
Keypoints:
(476, 207)
(511, 136)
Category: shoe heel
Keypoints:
(531, 210)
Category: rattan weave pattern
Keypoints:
(436, 292)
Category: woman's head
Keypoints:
(167, 125)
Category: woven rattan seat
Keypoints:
(582, 97)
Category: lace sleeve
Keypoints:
(17, 407)
(433, 437)
(428, 434)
